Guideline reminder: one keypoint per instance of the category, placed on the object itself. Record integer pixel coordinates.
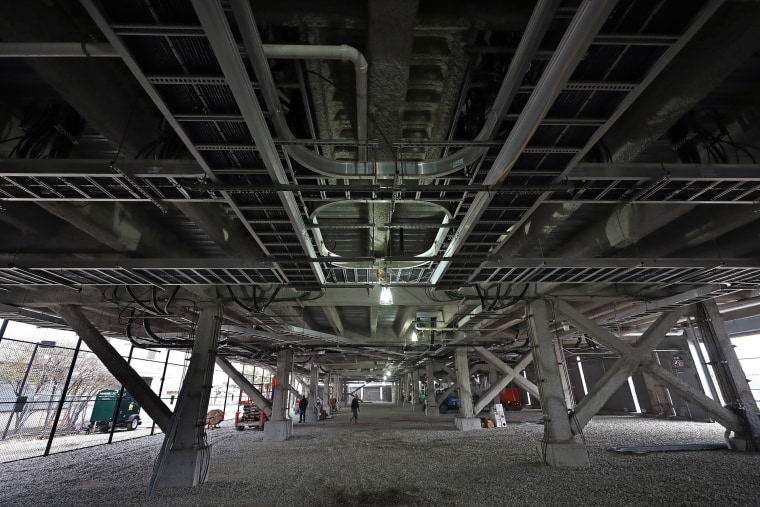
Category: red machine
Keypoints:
(510, 399)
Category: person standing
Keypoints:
(302, 405)
(355, 409)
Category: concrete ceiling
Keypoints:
(468, 155)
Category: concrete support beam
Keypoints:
(405, 317)
(391, 36)
(118, 367)
(628, 363)
(731, 377)
(245, 386)
(185, 456)
(331, 312)
(280, 425)
(466, 419)
(558, 447)
(722, 416)
(510, 375)
(605, 338)
(373, 313)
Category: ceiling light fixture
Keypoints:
(386, 298)
(414, 336)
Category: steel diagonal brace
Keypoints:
(510, 374)
(630, 358)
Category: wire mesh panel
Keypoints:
(55, 398)
(32, 376)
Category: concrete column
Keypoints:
(430, 390)
(732, 380)
(280, 425)
(311, 412)
(558, 447)
(466, 420)
(184, 457)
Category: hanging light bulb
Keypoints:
(414, 336)
(386, 298)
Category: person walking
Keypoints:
(355, 409)
(302, 409)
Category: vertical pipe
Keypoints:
(118, 402)
(161, 386)
(226, 395)
(21, 388)
(61, 402)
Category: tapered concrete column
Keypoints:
(185, 458)
(558, 447)
(466, 420)
(430, 390)
(732, 381)
(311, 412)
(280, 425)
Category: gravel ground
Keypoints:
(397, 457)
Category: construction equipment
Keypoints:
(127, 416)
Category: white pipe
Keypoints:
(343, 53)
(57, 50)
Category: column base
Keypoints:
(277, 431)
(740, 442)
(182, 468)
(563, 454)
(467, 423)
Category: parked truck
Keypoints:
(102, 417)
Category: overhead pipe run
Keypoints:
(344, 53)
(57, 50)
(534, 34)
(584, 26)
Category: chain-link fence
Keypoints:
(57, 398)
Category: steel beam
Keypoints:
(222, 41)
(673, 172)
(245, 386)
(116, 364)
(99, 168)
(587, 22)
